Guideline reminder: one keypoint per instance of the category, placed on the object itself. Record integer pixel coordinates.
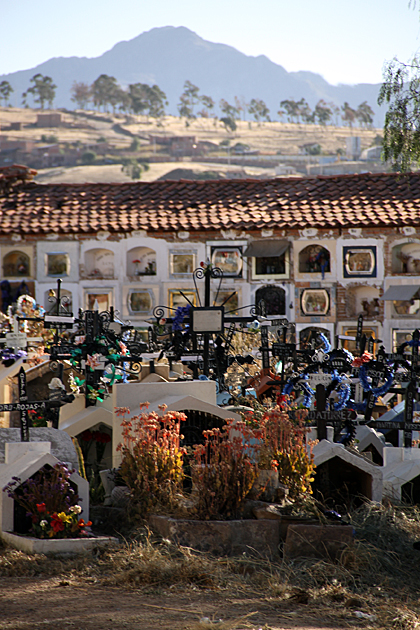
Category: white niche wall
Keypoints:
(99, 263)
(57, 259)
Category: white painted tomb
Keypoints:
(75, 417)
(401, 465)
(369, 440)
(24, 459)
(62, 446)
(370, 473)
(178, 396)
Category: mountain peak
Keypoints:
(170, 55)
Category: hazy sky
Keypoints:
(347, 41)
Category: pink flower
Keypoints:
(93, 362)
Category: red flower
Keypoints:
(365, 358)
(57, 524)
(41, 507)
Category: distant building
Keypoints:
(372, 154)
(353, 147)
(53, 119)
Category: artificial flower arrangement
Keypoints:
(50, 502)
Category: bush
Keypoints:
(284, 449)
(152, 458)
(88, 157)
(52, 139)
(224, 470)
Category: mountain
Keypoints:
(170, 55)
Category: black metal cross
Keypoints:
(24, 406)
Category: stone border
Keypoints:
(222, 538)
(29, 544)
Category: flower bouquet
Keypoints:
(50, 502)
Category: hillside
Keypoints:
(169, 56)
(271, 142)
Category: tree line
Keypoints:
(141, 98)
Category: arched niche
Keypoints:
(99, 263)
(66, 301)
(406, 258)
(16, 264)
(314, 259)
(141, 261)
(311, 333)
(362, 300)
(271, 300)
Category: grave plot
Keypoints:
(23, 460)
(344, 475)
(401, 474)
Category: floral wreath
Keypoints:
(340, 386)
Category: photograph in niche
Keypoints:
(315, 302)
(359, 261)
(176, 299)
(140, 301)
(182, 263)
(231, 306)
(406, 308)
(399, 337)
(228, 259)
(103, 301)
(16, 264)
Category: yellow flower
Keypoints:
(65, 518)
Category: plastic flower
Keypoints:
(57, 524)
(40, 507)
(93, 361)
(44, 523)
(123, 348)
(76, 509)
(83, 524)
(365, 358)
(65, 518)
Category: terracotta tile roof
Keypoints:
(382, 199)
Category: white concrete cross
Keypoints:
(18, 340)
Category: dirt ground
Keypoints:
(113, 173)
(32, 604)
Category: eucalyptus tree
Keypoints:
(42, 90)
(5, 91)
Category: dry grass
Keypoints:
(267, 137)
(379, 575)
